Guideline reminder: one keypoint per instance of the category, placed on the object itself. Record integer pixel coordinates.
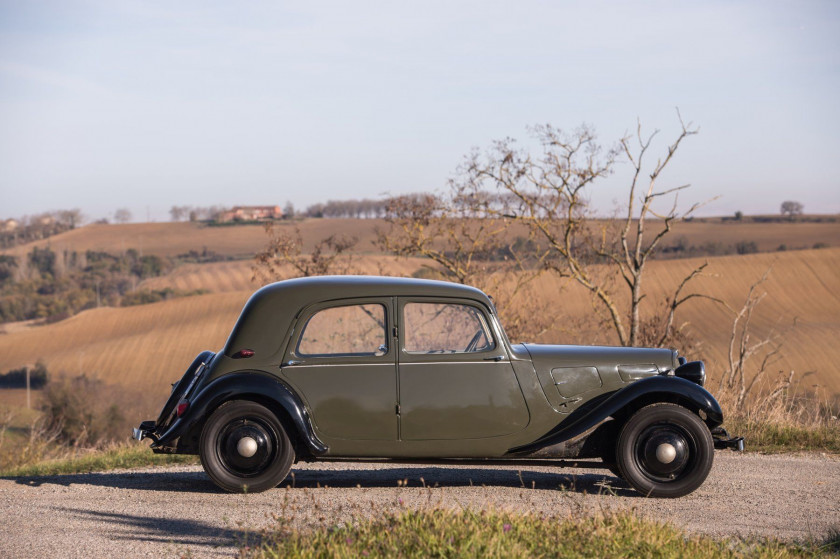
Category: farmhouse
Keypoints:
(250, 213)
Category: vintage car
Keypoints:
(399, 369)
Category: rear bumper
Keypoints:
(723, 440)
(146, 431)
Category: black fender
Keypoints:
(178, 387)
(249, 385)
(643, 392)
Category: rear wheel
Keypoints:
(244, 448)
(665, 450)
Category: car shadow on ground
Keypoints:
(356, 475)
(178, 532)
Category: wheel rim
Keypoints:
(663, 452)
(246, 447)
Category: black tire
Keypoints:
(227, 431)
(665, 450)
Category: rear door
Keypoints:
(455, 378)
(342, 362)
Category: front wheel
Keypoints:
(665, 450)
(244, 448)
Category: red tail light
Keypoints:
(243, 354)
(182, 407)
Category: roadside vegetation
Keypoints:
(79, 424)
(446, 533)
(125, 455)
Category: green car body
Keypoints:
(355, 367)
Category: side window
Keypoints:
(345, 331)
(445, 328)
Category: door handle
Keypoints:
(494, 358)
(291, 362)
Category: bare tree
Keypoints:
(70, 218)
(549, 192)
(466, 242)
(122, 215)
(177, 213)
(791, 208)
(283, 256)
(743, 346)
(289, 211)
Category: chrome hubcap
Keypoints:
(663, 451)
(247, 447)
(666, 453)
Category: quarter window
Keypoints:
(445, 328)
(345, 331)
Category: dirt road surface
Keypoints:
(169, 511)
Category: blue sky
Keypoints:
(140, 104)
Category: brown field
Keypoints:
(171, 239)
(237, 275)
(150, 345)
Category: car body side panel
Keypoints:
(481, 399)
(349, 397)
(349, 401)
(457, 395)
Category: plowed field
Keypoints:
(152, 344)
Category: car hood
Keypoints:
(547, 357)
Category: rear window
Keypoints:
(345, 331)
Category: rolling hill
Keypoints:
(150, 345)
(171, 239)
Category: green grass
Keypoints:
(127, 456)
(775, 438)
(442, 533)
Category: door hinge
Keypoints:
(396, 332)
(397, 408)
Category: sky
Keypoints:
(137, 104)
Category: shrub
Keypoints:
(746, 247)
(16, 378)
(86, 412)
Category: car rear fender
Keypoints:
(182, 435)
(623, 403)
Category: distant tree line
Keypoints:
(54, 285)
(195, 213)
(26, 229)
(364, 208)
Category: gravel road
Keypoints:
(168, 511)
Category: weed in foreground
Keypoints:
(466, 533)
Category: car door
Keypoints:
(455, 377)
(342, 362)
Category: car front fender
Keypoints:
(641, 393)
(247, 385)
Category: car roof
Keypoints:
(270, 311)
(324, 287)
